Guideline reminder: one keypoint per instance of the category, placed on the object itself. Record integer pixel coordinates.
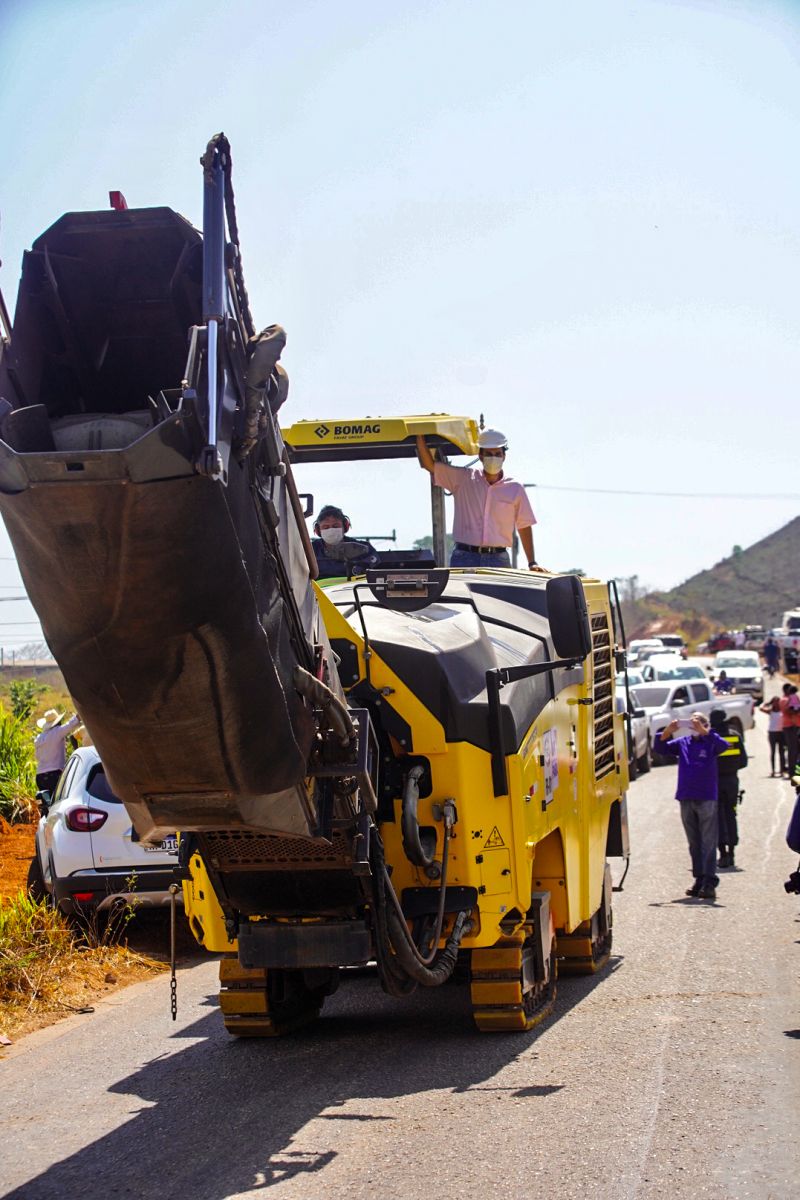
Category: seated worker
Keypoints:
(489, 505)
(338, 555)
(723, 685)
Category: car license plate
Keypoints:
(168, 846)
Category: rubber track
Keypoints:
(246, 1006)
(498, 1002)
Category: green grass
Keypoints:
(17, 768)
(34, 940)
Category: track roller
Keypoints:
(260, 1003)
(506, 995)
(587, 949)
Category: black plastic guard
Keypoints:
(314, 944)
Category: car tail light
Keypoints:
(84, 896)
(85, 820)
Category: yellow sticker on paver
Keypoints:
(494, 840)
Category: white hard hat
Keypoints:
(492, 439)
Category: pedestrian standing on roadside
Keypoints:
(775, 734)
(772, 655)
(729, 764)
(50, 745)
(790, 708)
(697, 793)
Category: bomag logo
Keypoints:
(355, 431)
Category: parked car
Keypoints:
(720, 641)
(754, 637)
(743, 669)
(668, 700)
(675, 643)
(638, 648)
(789, 640)
(635, 676)
(640, 756)
(88, 856)
(791, 621)
(670, 666)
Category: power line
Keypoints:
(552, 487)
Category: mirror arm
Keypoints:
(512, 674)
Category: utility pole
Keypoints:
(515, 543)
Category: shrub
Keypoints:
(32, 937)
(17, 768)
(23, 694)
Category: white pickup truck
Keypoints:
(789, 640)
(666, 701)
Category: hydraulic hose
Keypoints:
(408, 956)
(426, 960)
(398, 956)
(412, 845)
(320, 694)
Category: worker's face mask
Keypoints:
(332, 536)
(492, 463)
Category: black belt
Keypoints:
(481, 549)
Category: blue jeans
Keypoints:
(468, 558)
(700, 819)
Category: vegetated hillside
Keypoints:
(753, 587)
(652, 615)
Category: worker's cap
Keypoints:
(50, 718)
(492, 439)
(718, 717)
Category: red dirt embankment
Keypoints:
(16, 851)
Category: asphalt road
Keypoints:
(674, 1074)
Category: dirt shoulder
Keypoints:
(47, 969)
(16, 851)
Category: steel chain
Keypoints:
(173, 983)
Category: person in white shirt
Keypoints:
(775, 733)
(489, 505)
(51, 748)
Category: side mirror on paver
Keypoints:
(568, 617)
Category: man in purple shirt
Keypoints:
(489, 505)
(697, 792)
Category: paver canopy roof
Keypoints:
(348, 439)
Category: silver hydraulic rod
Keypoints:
(213, 379)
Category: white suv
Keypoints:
(88, 856)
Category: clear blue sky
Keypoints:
(580, 219)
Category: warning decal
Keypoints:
(494, 840)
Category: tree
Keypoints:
(630, 589)
(426, 543)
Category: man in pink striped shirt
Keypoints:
(489, 505)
